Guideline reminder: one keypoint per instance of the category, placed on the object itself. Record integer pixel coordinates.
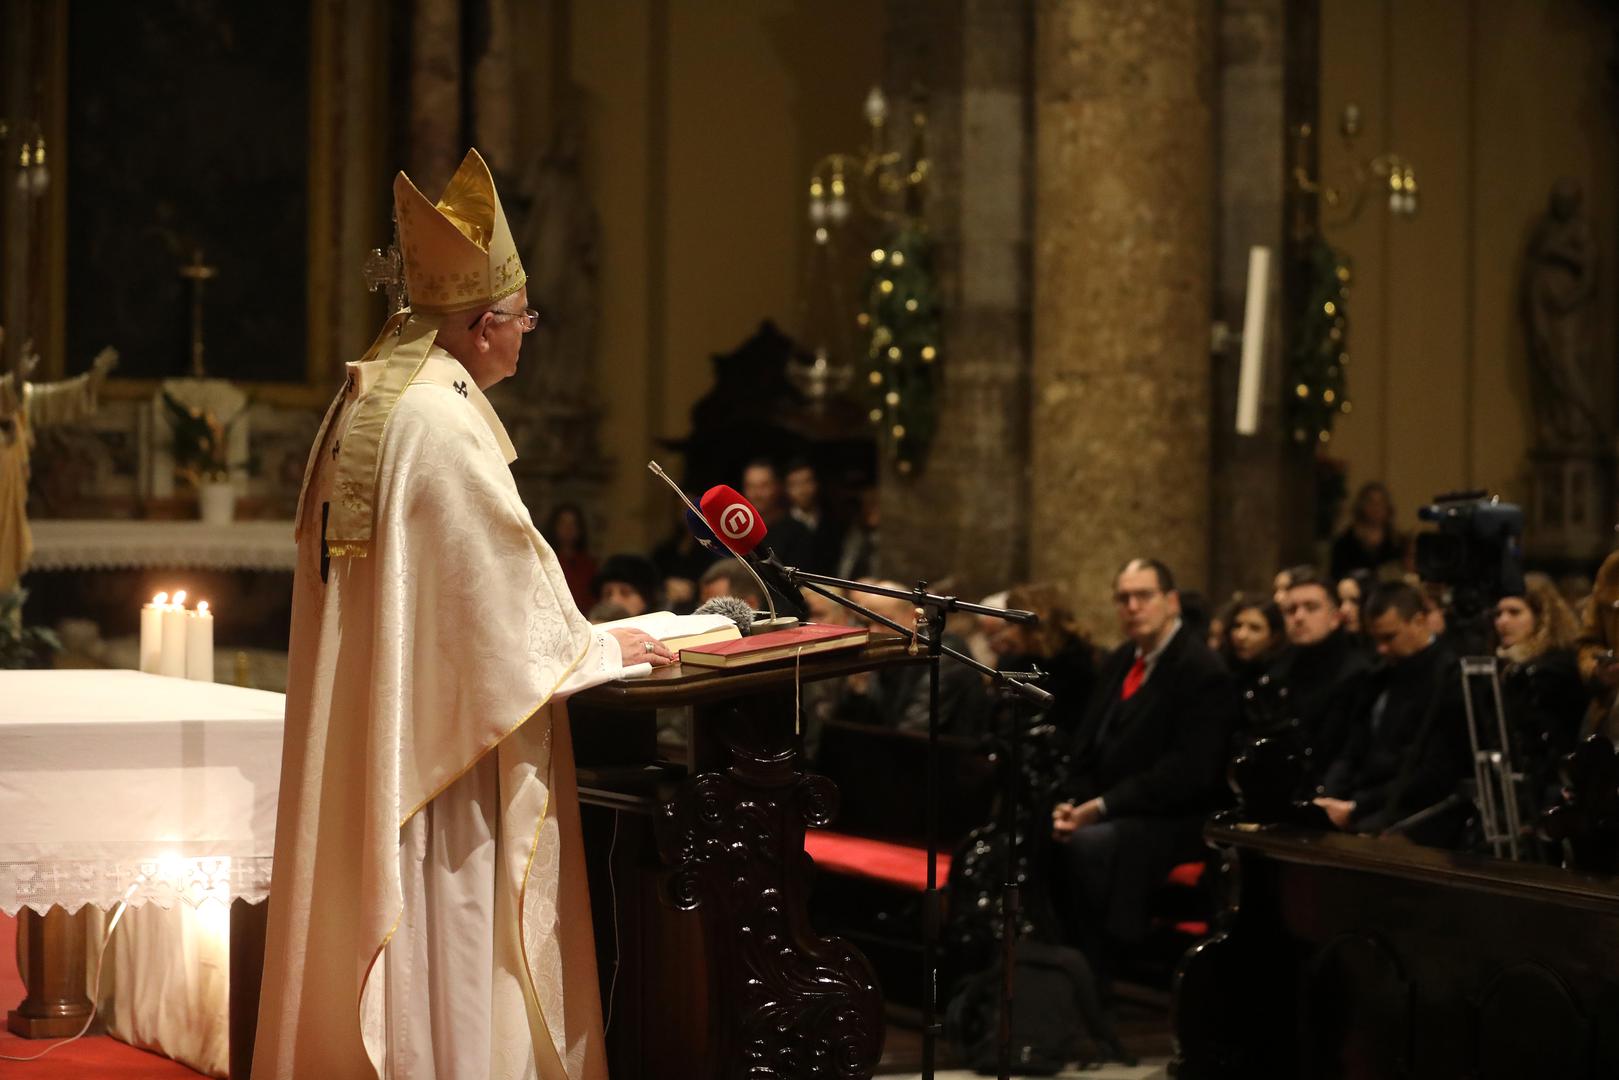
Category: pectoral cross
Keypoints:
(199, 274)
(385, 269)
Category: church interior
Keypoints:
(1253, 350)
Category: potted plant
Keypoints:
(22, 646)
(202, 458)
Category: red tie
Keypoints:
(1133, 678)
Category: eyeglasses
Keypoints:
(1127, 598)
(529, 317)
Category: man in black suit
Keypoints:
(1407, 748)
(1323, 669)
(1147, 766)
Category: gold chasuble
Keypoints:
(428, 911)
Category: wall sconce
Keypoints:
(33, 176)
(1343, 202)
(881, 182)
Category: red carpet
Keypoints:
(91, 1058)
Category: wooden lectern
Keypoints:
(699, 879)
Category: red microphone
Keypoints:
(735, 520)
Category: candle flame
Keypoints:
(180, 598)
(160, 599)
(202, 607)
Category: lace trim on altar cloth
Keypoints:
(164, 882)
(182, 545)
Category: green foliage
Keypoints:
(900, 379)
(1318, 355)
(22, 646)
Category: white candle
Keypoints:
(200, 644)
(175, 615)
(152, 633)
(1253, 341)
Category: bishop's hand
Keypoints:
(640, 647)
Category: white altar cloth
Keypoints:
(117, 779)
(172, 545)
(113, 779)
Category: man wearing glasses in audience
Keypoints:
(1147, 766)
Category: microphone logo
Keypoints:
(736, 521)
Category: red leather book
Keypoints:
(775, 645)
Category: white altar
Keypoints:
(118, 784)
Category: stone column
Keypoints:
(962, 522)
(1124, 178)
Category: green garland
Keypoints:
(900, 381)
(1318, 356)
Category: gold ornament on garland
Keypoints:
(1318, 356)
(902, 353)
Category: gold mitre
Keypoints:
(459, 254)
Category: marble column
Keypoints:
(1124, 102)
(962, 520)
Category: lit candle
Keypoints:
(152, 633)
(200, 644)
(174, 638)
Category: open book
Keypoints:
(679, 631)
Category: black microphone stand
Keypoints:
(931, 611)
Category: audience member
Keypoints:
(1541, 692)
(1056, 646)
(897, 696)
(1323, 669)
(983, 641)
(565, 532)
(1195, 613)
(790, 540)
(630, 581)
(1252, 638)
(681, 560)
(859, 556)
(729, 577)
(605, 611)
(1370, 541)
(1599, 638)
(1352, 591)
(1279, 584)
(1407, 746)
(804, 505)
(1147, 763)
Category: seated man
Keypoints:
(898, 696)
(728, 577)
(1407, 746)
(1322, 668)
(1148, 759)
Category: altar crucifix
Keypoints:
(199, 274)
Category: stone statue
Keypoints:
(24, 408)
(1559, 288)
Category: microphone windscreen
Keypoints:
(705, 536)
(735, 520)
(737, 610)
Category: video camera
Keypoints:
(1477, 550)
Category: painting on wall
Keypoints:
(173, 164)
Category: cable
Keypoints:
(618, 951)
(95, 991)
